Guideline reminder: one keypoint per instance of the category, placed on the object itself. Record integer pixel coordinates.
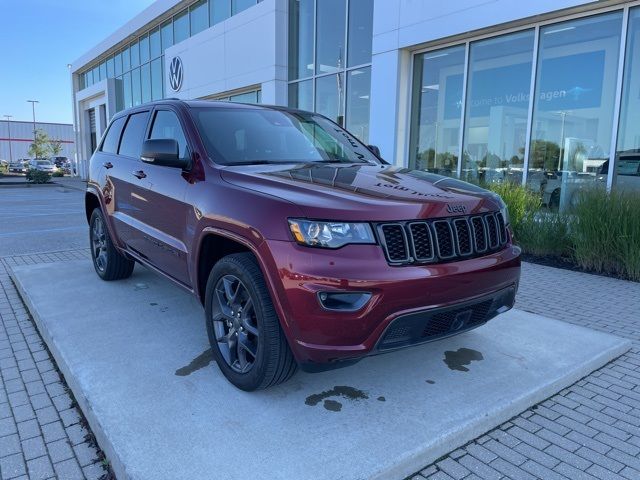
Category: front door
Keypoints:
(165, 211)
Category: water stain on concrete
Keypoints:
(348, 393)
(201, 361)
(382, 399)
(430, 382)
(332, 405)
(456, 360)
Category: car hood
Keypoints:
(364, 192)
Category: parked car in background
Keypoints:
(627, 171)
(59, 161)
(19, 166)
(42, 164)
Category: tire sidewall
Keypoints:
(94, 215)
(251, 380)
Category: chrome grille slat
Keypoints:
(443, 239)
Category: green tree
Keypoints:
(55, 146)
(41, 146)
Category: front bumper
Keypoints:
(320, 338)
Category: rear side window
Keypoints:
(131, 143)
(110, 143)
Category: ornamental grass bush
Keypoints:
(605, 232)
(600, 234)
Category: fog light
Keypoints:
(343, 301)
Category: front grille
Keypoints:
(440, 240)
(395, 242)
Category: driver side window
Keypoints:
(167, 125)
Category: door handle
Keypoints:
(139, 174)
(107, 165)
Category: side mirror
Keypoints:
(163, 152)
(375, 150)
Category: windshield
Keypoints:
(43, 162)
(244, 136)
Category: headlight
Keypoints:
(330, 234)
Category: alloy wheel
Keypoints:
(235, 323)
(99, 244)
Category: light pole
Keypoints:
(75, 169)
(33, 109)
(8, 117)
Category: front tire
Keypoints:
(243, 328)
(109, 263)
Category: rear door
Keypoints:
(125, 174)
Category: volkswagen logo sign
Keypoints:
(175, 74)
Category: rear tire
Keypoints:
(243, 328)
(109, 263)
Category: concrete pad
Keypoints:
(135, 354)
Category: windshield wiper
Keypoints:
(258, 162)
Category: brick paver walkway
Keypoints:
(41, 430)
(590, 430)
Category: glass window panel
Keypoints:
(96, 74)
(126, 60)
(136, 94)
(126, 90)
(329, 97)
(88, 78)
(155, 49)
(145, 82)
(110, 72)
(156, 79)
(117, 65)
(498, 90)
(219, 11)
(166, 35)
(181, 27)
(144, 49)
(301, 95)
(573, 108)
(259, 96)
(358, 93)
(135, 54)
(628, 151)
(199, 13)
(435, 114)
(248, 97)
(330, 35)
(360, 31)
(119, 94)
(240, 5)
(167, 125)
(301, 38)
(133, 135)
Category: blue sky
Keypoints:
(38, 38)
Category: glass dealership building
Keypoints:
(546, 93)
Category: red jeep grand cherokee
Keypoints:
(304, 247)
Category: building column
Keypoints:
(274, 92)
(390, 100)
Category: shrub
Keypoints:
(58, 173)
(521, 201)
(606, 232)
(37, 176)
(545, 234)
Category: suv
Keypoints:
(304, 247)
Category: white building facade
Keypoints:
(545, 93)
(16, 137)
